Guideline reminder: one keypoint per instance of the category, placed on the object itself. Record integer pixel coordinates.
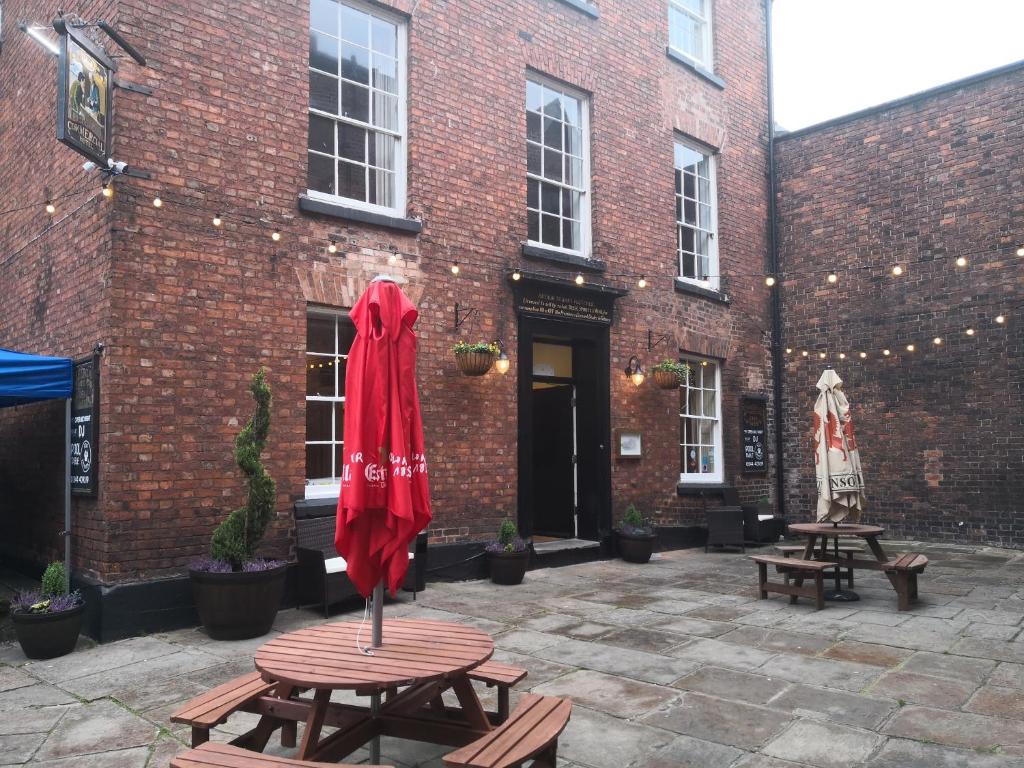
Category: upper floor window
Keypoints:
(689, 30)
(356, 106)
(700, 439)
(328, 339)
(557, 167)
(696, 215)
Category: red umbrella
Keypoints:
(385, 498)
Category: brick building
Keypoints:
(614, 144)
(916, 184)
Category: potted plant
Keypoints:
(508, 555)
(636, 536)
(475, 359)
(237, 594)
(670, 374)
(47, 621)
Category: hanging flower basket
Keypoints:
(475, 359)
(670, 374)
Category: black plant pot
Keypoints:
(508, 567)
(636, 548)
(48, 635)
(238, 605)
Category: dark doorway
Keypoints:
(554, 471)
(564, 470)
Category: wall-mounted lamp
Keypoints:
(635, 371)
(502, 364)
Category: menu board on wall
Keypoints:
(85, 406)
(568, 303)
(753, 426)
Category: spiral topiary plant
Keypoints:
(235, 540)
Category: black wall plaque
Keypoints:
(754, 434)
(568, 303)
(85, 412)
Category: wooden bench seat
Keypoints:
(815, 568)
(850, 550)
(905, 569)
(504, 676)
(531, 731)
(213, 755)
(215, 706)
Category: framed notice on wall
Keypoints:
(85, 412)
(754, 434)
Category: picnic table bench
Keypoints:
(504, 676)
(212, 755)
(905, 569)
(850, 550)
(215, 706)
(786, 565)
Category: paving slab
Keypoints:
(723, 721)
(827, 673)
(940, 692)
(867, 653)
(100, 684)
(838, 706)
(997, 701)
(100, 659)
(647, 667)
(991, 631)
(96, 727)
(602, 741)
(731, 683)
(12, 678)
(611, 694)
(777, 640)
(997, 650)
(823, 744)
(685, 625)
(40, 695)
(1011, 675)
(903, 753)
(902, 637)
(19, 748)
(30, 720)
(758, 760)
(137, 757)
(949, 666)
(955, 729)
(689, 752)
(716, 652)
(526, 640)
(641, 639)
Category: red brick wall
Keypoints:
(940, 430)
(194, 310)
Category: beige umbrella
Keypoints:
(836, 458)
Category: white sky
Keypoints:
(833, 57)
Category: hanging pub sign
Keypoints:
(85, 411)
(753, 421)
(84, 96)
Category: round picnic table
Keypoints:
(425, 658)
(826, 531)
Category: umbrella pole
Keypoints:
(377, 627)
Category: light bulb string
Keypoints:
(46, 230)
(49, 200)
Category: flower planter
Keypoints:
(238, 605)
(508, 567)
(666, 380)
(48, 635)
(636, 548)
(474, 363)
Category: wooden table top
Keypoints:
(843, 529)
(326, 656)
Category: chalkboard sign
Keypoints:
(569, 303)
(753, 425)
(85, 411)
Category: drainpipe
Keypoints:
(773, 268)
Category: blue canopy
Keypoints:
(28, 378)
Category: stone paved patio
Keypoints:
(674, 663)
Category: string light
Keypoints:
(579, 278)
(275, 236)
(832, 277)
(789, 350)
(455, 267)
(910, 347)
(516, 275)
(804, 353)
(642, 282)
(332, 247)
(842, 355)
(50, 208)
(1000, 319)
(969, 331)
(1020, 251)
(897, 270)
(961, 261)
(392, 259)
(863, 355)
(769, 281)
(886, 352)
(217, 220)
(937, 341)
(821, 355)
(157, 202)
(108, 192)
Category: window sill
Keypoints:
(683, 286)
(700, 489)
(540, 253)
(340, 211)
(697, 69)
(583, 6)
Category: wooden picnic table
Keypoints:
(423, 658)
(826, 531)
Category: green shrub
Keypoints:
(507, 533)
(633, 517)
(680, 369)
(54, 580)
(235, 540)
(487, 347)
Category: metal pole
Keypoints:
(67, 494)
(377, 626)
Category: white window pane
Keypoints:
(704, 212)
(382, 188)
(689, 185)
(702, 243)
(352, 142)
(323, 52)
(692, 464)
(385, 37)
(355, 26)
(690, 212)
(570, 234)
(549, 198)
(352, 180)
(323, 92)
(355, 63)
(382, 150)
(355, 102)
(697, 6)
(532, 194)
(704, 190)
(551, 230)
(552, 165)
(321, 174)
(533, 159)
(707, 460)
(385, 73)
(570, 204)
(573, 141)
(534, 96)
(693, 403)
(385, 110)
(533, 124)
(571, 107)
(574, 171)
(533, 226)
(552, 133)
(321, 134)
(552, 104)
(709, 403)
(323, 15)
(707, 432)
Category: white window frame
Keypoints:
(584, 100)
(718, 475)
(402, 134)
(708, 62)
(321, 490)
(714, 269)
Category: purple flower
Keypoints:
(259, 564)
(34, 602)
(22, 602)
(209, 565)
(60, 603)
(517, 545)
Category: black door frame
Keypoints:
(537, 329)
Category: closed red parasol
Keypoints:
(385, 497)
